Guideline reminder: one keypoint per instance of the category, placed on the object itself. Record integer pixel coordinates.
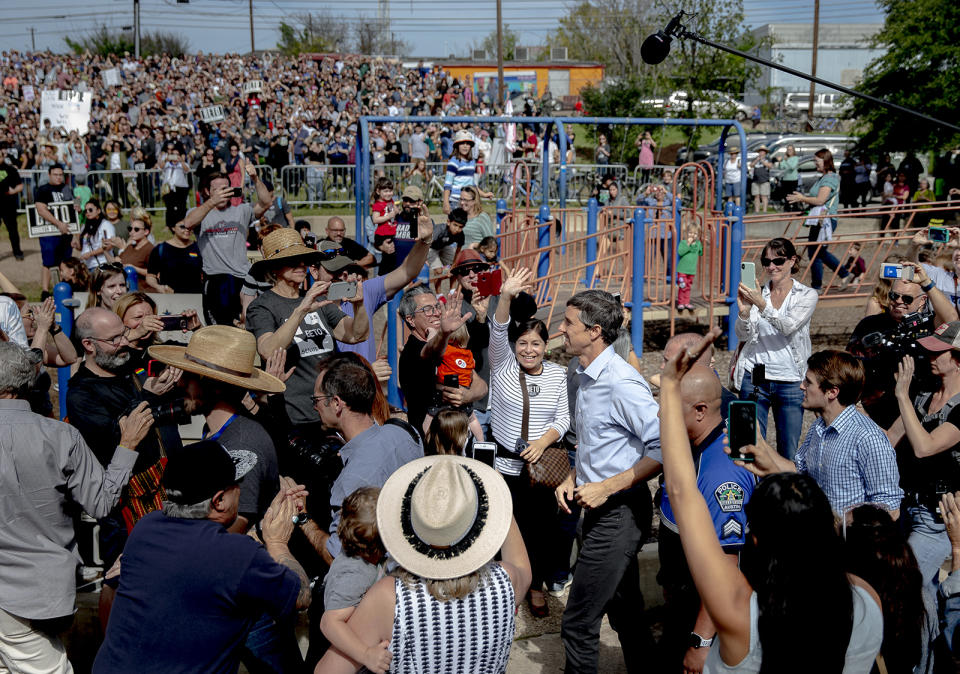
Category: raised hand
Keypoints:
(517, 282)
(450, 318)
(134, 426)
(276, 362)
(904, 377)
(675, 368)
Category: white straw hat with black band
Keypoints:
(443, 517)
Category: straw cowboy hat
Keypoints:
(283, 246)
(221, 352)
(444, 516)
(463, 137)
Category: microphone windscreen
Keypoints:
(655, 48)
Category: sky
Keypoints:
(435, 28)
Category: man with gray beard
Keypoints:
(104, 389)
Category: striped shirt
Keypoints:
(460, 174)
(852, 461)
(547, 392)
(469, 635)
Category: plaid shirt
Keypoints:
(852, 461)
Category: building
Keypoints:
(562, 78)
(842, 55)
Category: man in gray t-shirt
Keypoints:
(223, 222)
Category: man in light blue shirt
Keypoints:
(618, 450)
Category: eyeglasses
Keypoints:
(315, 399)
(766, 261)
(895, 297)
(330, 253)
(116, 340)
(471, 269)
(138, 229)
(429, 310)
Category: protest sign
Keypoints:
(111, 77)
(28, 92)
(62, 210)
(252, 87)
(69, 109)
(212, 113)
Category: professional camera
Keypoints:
(899, 342)
(164, 412)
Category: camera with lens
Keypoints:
(899, 342)
(163, 412)
(310, 240)
(318, 459)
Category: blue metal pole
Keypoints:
(545, 173)
(640, 222)
(393, 388)
(501, 212)
(593, 211)
(131, 275)
(62, 293)
(543, 240)
(736, 255)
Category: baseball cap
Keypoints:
(944, 338)
(412, 192)
(200, 470)
(336, 263)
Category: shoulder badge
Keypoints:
(731, 528)
(729, 497)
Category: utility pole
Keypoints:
(251, 26)
(499, 54)
(136, 29)
(813, 65)
(33, 40)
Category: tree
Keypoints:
(105, 41)
(611, 32)
(919, 69)
(310, 32)
(510, 40)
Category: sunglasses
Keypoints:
(895, 297)
(331, 253)
(138, 229)
(766, 261)
(472, 269)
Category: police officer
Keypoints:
(688, 631)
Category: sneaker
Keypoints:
(844, 282)
(557, 589)
(820, 291)
(18, 257)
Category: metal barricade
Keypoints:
(130, 188)
(33, 179)
(315, 185)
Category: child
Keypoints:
(856, 265)
(384, 209)
(689, 252)
(457, 360)
(447, 242)
(888, 198)
(489, 249)
(352, 573)
(383, 240)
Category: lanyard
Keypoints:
(217, 435)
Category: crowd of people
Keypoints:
(410, 536)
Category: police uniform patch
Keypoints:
(731, 528)
(729, 497)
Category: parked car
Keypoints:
(711, 149)
(712, 103)
(824, 105)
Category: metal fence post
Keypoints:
(393, 388)
(543, 240)
(640, 222)
(593, 212)
(62, 298)
(131, 274)
(736, 254)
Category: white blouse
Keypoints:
(778, 338)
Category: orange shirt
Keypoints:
(458, 361)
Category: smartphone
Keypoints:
(759, 375)
(341, 290)
(237, 191)
(938, 234)
(741, 427)
(894, 271)
(155, 367)
(489, 282)
(485, 452)
(451, 381)
(175, 322)
(748, 274)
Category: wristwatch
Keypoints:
(300, 519)
(927, 288)
(55, 330)
(697, 641)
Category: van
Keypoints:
(824, 105)
(809, 144)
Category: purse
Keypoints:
(554, 466)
